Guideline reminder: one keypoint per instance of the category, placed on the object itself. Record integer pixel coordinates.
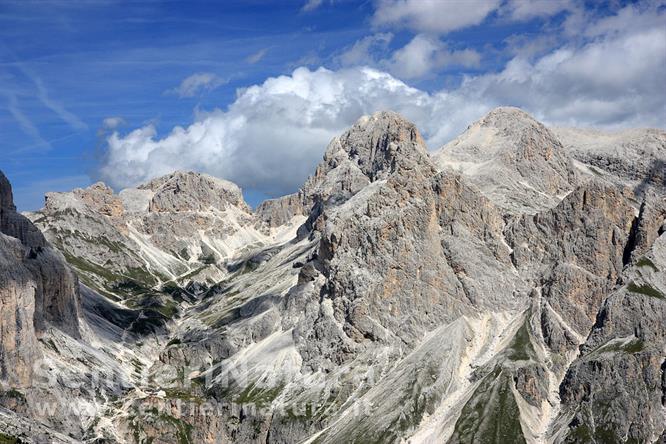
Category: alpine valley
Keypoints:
(509, 287)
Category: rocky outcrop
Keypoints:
(185, 191)
(633, 157)
(18, 340)
(273, 213)
(515, 161)
(614, 392)
(182, 224)
(37, 290)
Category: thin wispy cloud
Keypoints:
(311, 5)
(26, 125)
(257, 56)
(57, 107)
(43, 95)
(197, 84)
(113, 122)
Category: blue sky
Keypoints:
(252, 91)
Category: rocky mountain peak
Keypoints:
(374, 148)
(380, 143)
(515, 160)
(507, 116)
(100, 197)
(6, 197)
(14, 224)
(191, 191)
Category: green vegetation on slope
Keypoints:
(646, 290)
(492, 414)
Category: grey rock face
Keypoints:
(515, 161)
(56, 296)
(273, 213)
(18, 340)
(37, 289)
(614, 391)
(634, 157)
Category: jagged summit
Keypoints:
(192, 191)
(373, 149)
(14, 224)
(379, 144)
(6, 196)
(514, 160)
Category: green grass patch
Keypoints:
(491, 414)
(7, 439)
(521, 348)
(257, 395)
(176, 393)
(169, 310)
(183, 429)
(646, 290)
(13, 393)
(50, 344)
(634, 346)
(645, 262)
(91, 268)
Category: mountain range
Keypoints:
(508, 287)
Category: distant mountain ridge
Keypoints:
(509, 287)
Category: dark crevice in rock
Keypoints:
(631, 240)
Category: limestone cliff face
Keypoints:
(615, 389)
(37, 290)
(18, 340)
(273, 213)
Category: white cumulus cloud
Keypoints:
(271, 137)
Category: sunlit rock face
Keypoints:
(38, 291)
(508, 287)
(513, 159)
